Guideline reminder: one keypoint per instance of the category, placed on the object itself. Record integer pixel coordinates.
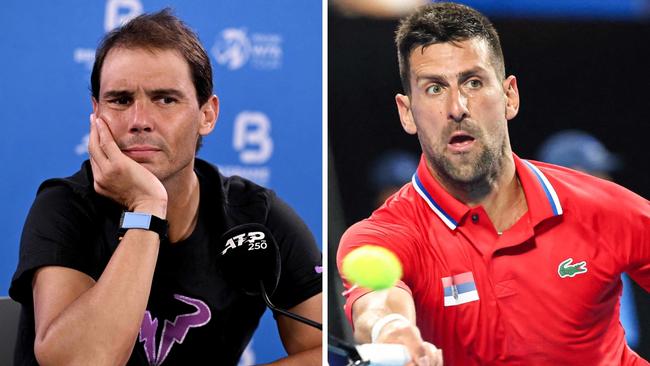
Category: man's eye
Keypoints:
(434, 89)
(120, 100)
(167, 100)
(475, 83)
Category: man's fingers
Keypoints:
(106, 141)
(93, 139)
(422, 353)
(432, 356)
(94, 143)
(94, 166)
(97, 174)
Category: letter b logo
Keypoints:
(251, 137)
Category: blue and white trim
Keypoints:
(445, 217)
(551, 195)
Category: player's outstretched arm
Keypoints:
(390, 315)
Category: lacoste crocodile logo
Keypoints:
(566, 269)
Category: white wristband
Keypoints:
(381, 323)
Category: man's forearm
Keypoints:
(390, 315)
(101, 325)
(370, 308)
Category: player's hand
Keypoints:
(422, 353)
(120, 178)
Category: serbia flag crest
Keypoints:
(459, 289)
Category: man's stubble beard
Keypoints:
(476, 176)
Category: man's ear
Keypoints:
(405, 115)
(512, 97)
(209, 115)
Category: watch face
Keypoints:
(145, 221)
(135, 220)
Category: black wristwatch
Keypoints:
(145, 221)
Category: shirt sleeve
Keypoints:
(300, 258)
(53, 235)
(638, 250)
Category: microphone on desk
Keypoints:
(250, 260)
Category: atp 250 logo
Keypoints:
(254, 240)
(234, 48)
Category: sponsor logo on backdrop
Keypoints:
(253, 141)
(252, 137)
(82, 147)
(235, 48)
(84, 56)
(117, 12)
(232, 49)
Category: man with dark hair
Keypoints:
(505, 261)
(159, 31)
(119, 262)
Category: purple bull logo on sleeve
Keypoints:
(459, 289)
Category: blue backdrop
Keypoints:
(266, 57)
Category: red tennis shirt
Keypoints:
(544, 292)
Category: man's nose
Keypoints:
(141, 119)
(457, 107)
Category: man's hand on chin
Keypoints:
(120, 178)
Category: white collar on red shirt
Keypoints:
(542, 199)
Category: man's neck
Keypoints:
(183, 203)
(500, 194)
(506, 204)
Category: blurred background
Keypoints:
(581, 67)
(267, 65)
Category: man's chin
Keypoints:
(465, 175)
(462, 168)
(462, 161)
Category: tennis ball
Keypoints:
(372, 267)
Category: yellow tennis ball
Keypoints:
(372, 267)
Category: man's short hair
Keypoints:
(440, 23)
(159, 31)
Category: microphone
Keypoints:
(250, 259)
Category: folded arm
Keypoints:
(302, 342)
(80, 321)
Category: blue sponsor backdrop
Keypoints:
(266, 57)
